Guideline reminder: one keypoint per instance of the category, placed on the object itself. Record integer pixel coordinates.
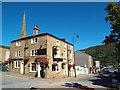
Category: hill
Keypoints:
(106, 54)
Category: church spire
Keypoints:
(23, 31)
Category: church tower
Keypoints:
(23, 31)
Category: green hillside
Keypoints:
(105, 53)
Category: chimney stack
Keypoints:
(63, 39)
(36, 30)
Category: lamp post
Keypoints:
(75, 35)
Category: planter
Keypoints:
(74, 66)
(55, 64)
(63, 65)
(69, 66)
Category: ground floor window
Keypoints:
(56, 67)
(17, 64)
(33, 67)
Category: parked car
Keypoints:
(100, 73)
(116, 79)
(108, 70)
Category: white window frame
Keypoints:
(57, 43)
(31, 67)
(18, 43)
(7, 55)
(58, 53)
(34, 40)
(65, 54)
(70, 48)
(16, 64)
(18, 53)
(65, 46)
(34, 52)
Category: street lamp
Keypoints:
(74, 36)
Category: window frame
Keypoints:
(34, 40)
(57, 43)
(33, 52)
(16, 64)
(18, 53)
(65, 45)
(31, 67)
(18, 43)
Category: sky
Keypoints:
(61, 19)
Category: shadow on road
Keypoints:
(77, 85)
(104, 81)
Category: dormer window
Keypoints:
(33, 40)
(18, 43)
(57, 43)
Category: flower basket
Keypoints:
(69, 66)
(74, 66)
(26, 58)
(62, 65)
(55, 64)
(42, 59)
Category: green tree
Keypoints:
(113, 18)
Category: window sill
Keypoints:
(32, 71)
(16, 67)
(33, 43)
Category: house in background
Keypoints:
(41, 55)
(84, 63)
(5, 53)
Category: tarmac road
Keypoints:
(9, 81)
(82, 82)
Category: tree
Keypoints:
(113, 18)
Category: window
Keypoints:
(7, 55)
(18, 53)
(33, 67)
(17, 64)
(34, 52)
(18, 43)
(57, 43)
(65, 45)
(33, 40)
(65, 54)
(56, 68)
(58, 53)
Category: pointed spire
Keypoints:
(23, 31)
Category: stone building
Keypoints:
(84, 61)
(5, 52)
(41, 54)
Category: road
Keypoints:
(95, 81)
(82, 81)
(9, 81)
